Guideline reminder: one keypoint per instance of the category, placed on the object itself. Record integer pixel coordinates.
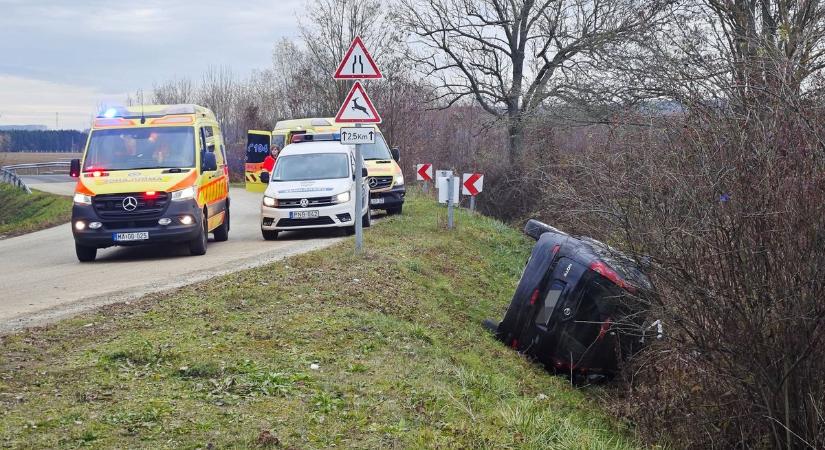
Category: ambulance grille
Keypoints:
(116, 206)
(379, 182)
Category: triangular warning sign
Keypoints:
(357, 63)
(357, 108)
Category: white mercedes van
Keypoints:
(313, 186)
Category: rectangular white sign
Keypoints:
(357, 135)
(442, 184)
(443, 173)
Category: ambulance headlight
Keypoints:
(82, 199)
(270, 202)
(399, 179)
(184, 194)
(341, 198)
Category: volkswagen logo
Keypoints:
(372, 182)
(129, 203)
(304, 203)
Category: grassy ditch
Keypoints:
(319, 350)
(22, 213)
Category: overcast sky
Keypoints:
(68, 56)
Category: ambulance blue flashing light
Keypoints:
(110, 113)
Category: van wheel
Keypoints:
(366, 219)
(269, 235)
(197, 246)
(394, 211)
(222, 232)
(85, 254)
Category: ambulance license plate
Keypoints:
(125, 237)
(377, 201)
(303, 214)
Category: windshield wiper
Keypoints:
(376, 159)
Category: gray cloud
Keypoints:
(110, 48)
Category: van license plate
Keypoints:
(124, 237)
(303, 214)
(377, 201)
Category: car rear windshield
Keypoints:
(313, 166)
(378, 150)
(141, 148)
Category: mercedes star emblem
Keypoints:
(304, 203)
(372, 182)
(130, 203)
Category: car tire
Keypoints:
(394, 211)
(222, 232)
(85, 254)
(269, 235)
(366, 219)
(197, 246)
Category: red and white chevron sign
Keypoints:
(424, 172)
(473, 183)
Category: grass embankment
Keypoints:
(23, 213)
(323, 349)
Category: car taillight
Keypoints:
(534, 297)
(605, 271)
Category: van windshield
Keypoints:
(313, 166)
(378, 150)
(141, 148)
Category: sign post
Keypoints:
(450, 188)
(358, 109)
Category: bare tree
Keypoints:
(511, 57)
(335, 23)
(175, 91)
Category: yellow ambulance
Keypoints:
(151, 174)
(386, 181)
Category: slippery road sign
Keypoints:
(424, 172)
(357, 108)
(473, 183)
(357, 63)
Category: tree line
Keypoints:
(70, 141)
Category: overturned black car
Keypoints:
(580, 307)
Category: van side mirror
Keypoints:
(265, 177)
(74, 168)
(396, 154)
(364, 172)
(209, 163)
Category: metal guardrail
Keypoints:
(9, 177)
(44, 168)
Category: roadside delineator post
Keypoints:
(424, 173)
(472, 185)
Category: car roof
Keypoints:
(304, 148)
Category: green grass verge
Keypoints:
(23, 213)
(319, 350)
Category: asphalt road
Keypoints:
(42, 281)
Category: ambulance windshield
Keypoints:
(376, 151)
(141, 148)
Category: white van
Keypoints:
(313, 186)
